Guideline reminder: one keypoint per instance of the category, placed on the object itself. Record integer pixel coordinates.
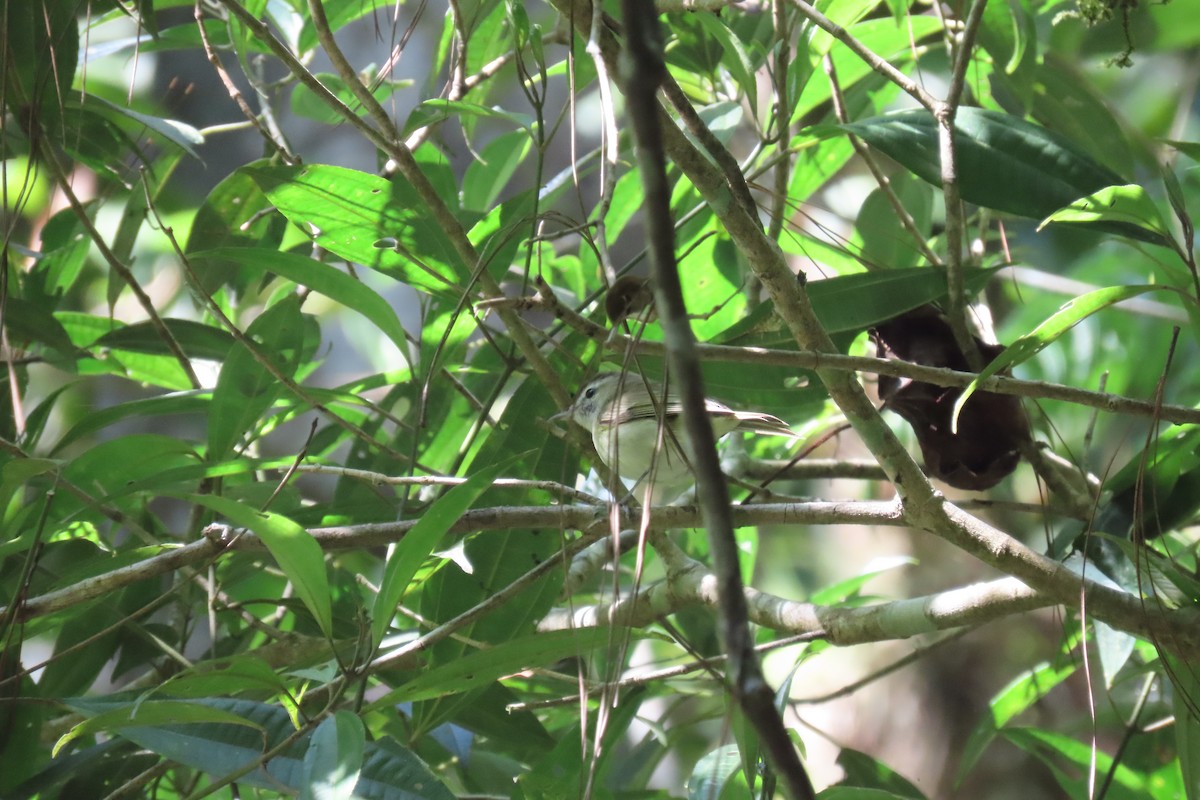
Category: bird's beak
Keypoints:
(565, 413)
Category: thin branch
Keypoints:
(235, 94)
(874, 61)
(944, 113)
(123, 271)
(362, 93)
(378, 478)
(690, 583)
(643, 678)
(587, 518)
(403, 655)
(809, 359)
(783, 118)
(645, 71)
(881, 180)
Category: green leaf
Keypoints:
(488, 176)
(27, 323)
(431, 112)
(196, 339)
(235, 214)
(735, 59)
(294, 549)
(388, 770)
(1185, 691)
(884, 240)
(114, 463)
(864, 772)
(1189, 149)
(411, 551)
(322, 278)
(1068, 316)
(242, 673)
(851, 303)
(481, 667)
(307, 103)
(1004, 162)
(1072, 762)
(334, 758)
(245, 388)
(713, 771)
(1019, 695)
(178, 133)
(1128, 204)
(193, 402)
(41, 52)
(366, 219)
(152, 712)
(843, 590)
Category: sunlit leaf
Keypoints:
(294, 549)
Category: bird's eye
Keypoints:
(589, 393)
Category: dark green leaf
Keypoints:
(389, 771)
(195, 339)
(1004, 162)
(419, 542)
(851, 303)
(245, 388)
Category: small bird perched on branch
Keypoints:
(624, 414)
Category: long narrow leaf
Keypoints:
(419, 542)
(1068, 316)
(294, 549)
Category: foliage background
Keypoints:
(230, 280)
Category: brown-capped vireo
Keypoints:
(624, 413)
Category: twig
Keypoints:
(809, 359)
(645, 71)
(944, 113)
(442, 480)
(881, 180)
(119, 267)
(874, 61)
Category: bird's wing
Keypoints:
(762, 423)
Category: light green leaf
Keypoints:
(294, 549)
(366, 219)
(322, 278)
(1127, 204)
(1068, 316)
(481, 667)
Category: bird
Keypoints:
(624, 413)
